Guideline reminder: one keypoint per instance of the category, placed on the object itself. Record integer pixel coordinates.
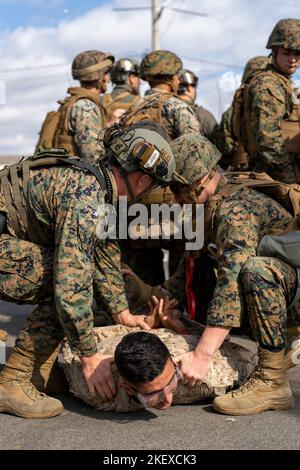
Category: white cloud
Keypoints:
(235, 31)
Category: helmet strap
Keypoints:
(134, 198)
(199, 189)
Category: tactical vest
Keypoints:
(287, 195)
(120, 102)
(150, 109)
(55, 131)
(14, 181)
(290, 126)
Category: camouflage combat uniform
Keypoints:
(230, 366)
(85, 123)
(60, 271)
(228, 136)
(272, 111)
(260, 287)
(177, 117)
(271, 102)
(81, 116)
(121, 97)
(207, 121)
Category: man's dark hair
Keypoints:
(141, 357)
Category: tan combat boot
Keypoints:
(47, 376)
(266, 389)
(17, 394)
(292, 351)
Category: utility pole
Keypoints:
(156, 12)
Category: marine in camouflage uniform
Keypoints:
(188, 93)
(161, 104)
(51, 254)
(230, 367)
(81, 114)
(160, 69)
(246, 284)
(271, 129)
(228, 137)
(126, 91)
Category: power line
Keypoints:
(34, 67)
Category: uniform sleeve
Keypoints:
(86, 122)
(268, 109)
(180, 118)
(108, 283)
(80, 257)
(176, 283)
(186, 120)
(208, 123)
(236, 236)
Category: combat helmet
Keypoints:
(254, 65)
(160, 63)
(123, 68)
(91, 65)
(141, 148)
(187, 78)
(195, 157)
(286, 33)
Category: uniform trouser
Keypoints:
(26, 277)
(269, 286)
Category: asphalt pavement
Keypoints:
(182, 427)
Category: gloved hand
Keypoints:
(137, 291)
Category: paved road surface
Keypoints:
(182, 427)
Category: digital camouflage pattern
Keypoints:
(226, 136)
(268, 104)
(61, 275)
(231, 365)
(122, 94)
(286, 33)
(258, 287)
(224, 139)
(86, 124)
(195, 156)
(253, 65)
(177, 116)
(91, 65)
(160, 63)
(207, 121)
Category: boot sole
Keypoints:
(7, 409)
(270, 405)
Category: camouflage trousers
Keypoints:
(26, 277)
(269, 286)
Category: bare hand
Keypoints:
(194, 367)
(166, 315)
(97, 373)
(127, 319)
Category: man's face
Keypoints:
(287, 60)
(134, 82)
(175, 83)
(159, 392)
(105, 82)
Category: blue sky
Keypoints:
(41, 13)
(39, 39)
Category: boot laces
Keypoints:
(256, 376)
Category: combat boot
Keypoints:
(266, 389)
(292, 351)
(47, 376)
(18, 396)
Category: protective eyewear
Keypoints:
(151, 399)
